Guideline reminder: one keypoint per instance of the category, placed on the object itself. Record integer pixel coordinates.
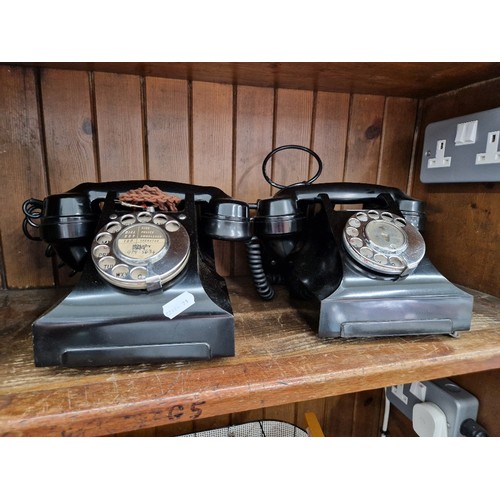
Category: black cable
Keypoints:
(262, 428)
(27, 222)
(32, 210)
(260, 280)
(470, 428)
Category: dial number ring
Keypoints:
(385, 242)
(140, 251)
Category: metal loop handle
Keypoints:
(291, 146)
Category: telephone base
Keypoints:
(424, 303)
(98, 324)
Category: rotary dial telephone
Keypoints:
(149, 291)
(363, 271)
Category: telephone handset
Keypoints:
(364, 271)
(149, 291)
(68, 221)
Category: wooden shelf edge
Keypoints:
(94, 403)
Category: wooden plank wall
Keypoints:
(463, 229)
(462, 236)
(60, 128)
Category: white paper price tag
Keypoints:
(174, 307)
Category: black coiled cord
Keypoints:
(32, 210)
(260, 280)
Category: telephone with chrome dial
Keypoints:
(355, 272)
(149, 291)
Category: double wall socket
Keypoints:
(456, 403)
(462, 149)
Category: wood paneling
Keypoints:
(119, 127)
(293, 125)
(316, 406)
(330, 135)
(349, 415)
(167, 104)
(212, 116)
(367, 411)
(254, 140)
(220, 421)
(282, 413)
(68, 127)
(463, 231)
(23, 176)
(363, 141)
(103, 126)
(339, 416)
(213, 135)
(247, 416)
(398, 132)
(404, 79)
(463, 227)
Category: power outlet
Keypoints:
(456, 403)
(462, 149)
(439, 160)
(491, 155)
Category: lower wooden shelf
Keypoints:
(278, 360)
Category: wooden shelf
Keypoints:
(278, 360)
(404, 79)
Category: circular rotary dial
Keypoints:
(383, 242)
(140, 251)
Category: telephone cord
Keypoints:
(261, 282)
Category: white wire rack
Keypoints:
(260, 428)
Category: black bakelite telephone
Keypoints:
(355, 272)
(149, 291)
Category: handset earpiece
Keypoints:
(278, 222)
(227, 219)
(66, 222)
(277, 227)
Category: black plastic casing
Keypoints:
(99, 324)
(300, 230)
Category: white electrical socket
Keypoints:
(456, 403)
(492, 154)
(440, 160)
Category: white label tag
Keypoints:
(174, 307)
